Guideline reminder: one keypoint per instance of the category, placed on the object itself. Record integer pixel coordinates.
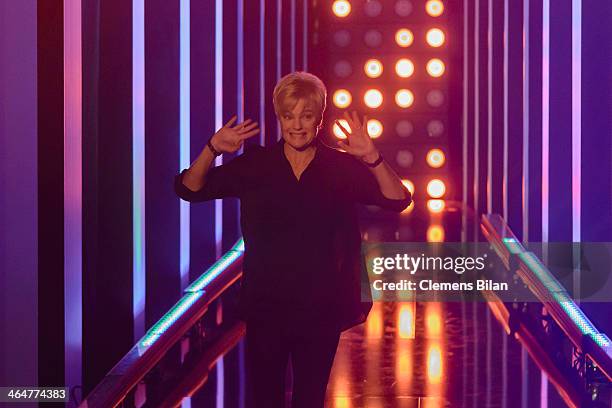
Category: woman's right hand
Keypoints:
(230, 138)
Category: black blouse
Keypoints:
(302, 257)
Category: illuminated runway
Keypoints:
(409, 354)
(413, 355)
(424, 355)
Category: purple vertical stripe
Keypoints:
(72, 192)
(18, 195)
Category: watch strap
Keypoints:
(212, 149)
(376, 162)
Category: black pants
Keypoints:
(268, 349)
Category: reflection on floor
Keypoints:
(414, 354)
(423, 355)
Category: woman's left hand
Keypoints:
(360, 143)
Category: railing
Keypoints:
(569, 318)
(168, 331)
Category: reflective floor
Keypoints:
(414, 354)
(425, 355)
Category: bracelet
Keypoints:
(212, 149)
(376, 162)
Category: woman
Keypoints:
(302, 262)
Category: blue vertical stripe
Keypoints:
(545, 115)
(576, 138)
(185, 142)
(138, 167)
(218, 161)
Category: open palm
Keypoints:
(229, 139)
(360, 143)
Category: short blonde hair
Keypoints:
(300, 85)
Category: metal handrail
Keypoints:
(164, 334)
(562, 309)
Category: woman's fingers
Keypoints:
(365, 124)
(247, 128)
(242, 124)
(345, 147)
(343, 129)
(356, 119)
(249, 134)
(349, 120)
(229, 122)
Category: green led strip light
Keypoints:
(584, 324)
(218, 267)
(559, 293)
(549, 281)
(169, 318)
(192, 294)
(513, 246)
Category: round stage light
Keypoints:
(373, 68)
(435, 233)
(404, 158)
(434, 8)
(435, 37)
(373, 38)
(375, 128)
(435, 128)
(338, 132)
(342, 38)
(404, 128)
(436, 188)
(435, 67)
(435, 158)
(404, 68)
(373, 98)
(435, 98)
(341, 8)
(404, 37)
(342, 98)
(372, 8)
(409, 185)
(343, 69)
(403, 8)
(436, 205)
(404, 98)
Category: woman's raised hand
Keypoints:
(360, 143)
(230, 138)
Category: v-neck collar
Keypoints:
(281, 147)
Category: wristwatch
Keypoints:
(376, 162)
(212, 149)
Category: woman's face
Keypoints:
(299, 126)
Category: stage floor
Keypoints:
(414, 355)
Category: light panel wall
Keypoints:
(547, 84)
